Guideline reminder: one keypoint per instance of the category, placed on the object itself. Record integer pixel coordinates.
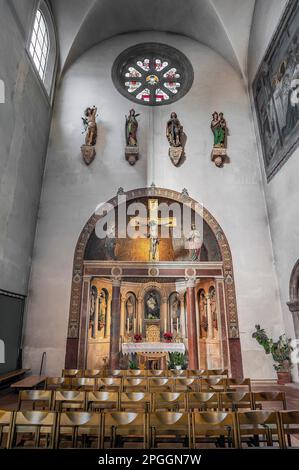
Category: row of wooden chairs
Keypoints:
(50, 429)
(145, 384)
(65, 400)
(98, 373)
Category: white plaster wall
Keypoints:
(282, 192)
(24, 127)
(71, 191)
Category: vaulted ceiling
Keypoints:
(223, 25)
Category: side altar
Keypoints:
(152, 353)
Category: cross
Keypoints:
(153, 222)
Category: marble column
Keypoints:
(183, 329)
(123, 317)
(140, 315)
(84, 323)
(115, 326)
(210, 318)
(96, 317)
(164, 314)
(191, 325)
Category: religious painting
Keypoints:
(152, 305)
(276, 93)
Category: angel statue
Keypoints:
(90, 126)
(131, 128)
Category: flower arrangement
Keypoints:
(168, 336)
(137, 338)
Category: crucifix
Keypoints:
(153, 222)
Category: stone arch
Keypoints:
(293, 303)
(226, 289)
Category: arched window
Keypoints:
(42, 45)
(39, 44)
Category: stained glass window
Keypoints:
(39, 44)
(152, 74)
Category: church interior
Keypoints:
(149, 262)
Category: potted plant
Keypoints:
(168, 337)
(177, 361)
(137, 338)
(280, 351)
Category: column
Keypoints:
(222, 323)
(123, 316)
(96, 317)
(210, 319)
(84, 323)
(183, 329)
(191, 325)
(164, 314)
(115, 325)
(294, 309)
(140, 315)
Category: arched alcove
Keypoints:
(221, 269)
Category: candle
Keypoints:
(128, 325)
(134, 325)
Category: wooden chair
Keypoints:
(262, 399)
(93, 373)
(78, 427)
(72, 373)
(203, 401)
(159, 384)
(169, 426)
(289, 426)
(238, 385)
(136, 373)
(65, 400)
(197, 372)
(115, 373)
(213, 384)
(256, 427)
(55, 383)
(6, 421)
(219, 372)
(169, 401)
(134, 384)
(186, 384)
(157, 373)
(37, 399)
(122, 426)
(40, 425)
(216, 427)
(177, 373)
(84, 384)
(110, 384)
(135, 401)
(100, 401)
(233, 401)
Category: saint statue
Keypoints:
(194, 243)
(174, 131)
(131, 128)
(219, 129)
(90, 126)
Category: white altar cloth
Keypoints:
(129, 348)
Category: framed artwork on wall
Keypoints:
(276, 93)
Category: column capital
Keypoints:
(190, 282)
(116, 282)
